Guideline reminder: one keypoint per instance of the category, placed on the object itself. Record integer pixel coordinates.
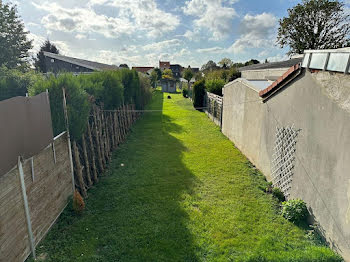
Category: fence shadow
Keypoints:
(135, 212)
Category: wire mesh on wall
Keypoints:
(283, 158)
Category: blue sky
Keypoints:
(142, 32)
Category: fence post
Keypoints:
(86, 160)
(26, 207)
(68, 137)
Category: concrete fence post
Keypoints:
(68, 138)
(26, 207)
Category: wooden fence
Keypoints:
(35, 192)
(213, 105)
(105, 131)
(32, 195)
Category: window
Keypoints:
(318, 61)
(338, 62)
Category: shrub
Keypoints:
(295, 210)
(185, 92)
(78, 203)
(277, 193)
(198, 93)
(215, 86)
(146, 90)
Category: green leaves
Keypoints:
(314, 24)
(14, 44)
(294, 210)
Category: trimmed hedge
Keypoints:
(198, 93)
(215, 86)
(108, 89)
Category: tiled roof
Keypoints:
(272, 65)
(81, 62)
(164, 64)
(290, 74)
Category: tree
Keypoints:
(226, 63)
(14, 44)
(210, 66)
(314, 24)
(39, 63)
(167, 73)
(124, 66)
(188, 75)
(159, 73)
(252, 62)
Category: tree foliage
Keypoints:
(14, 45)
(39, 63)
(188, 74)
(314, 24)
(226, 63)
(13, 82)
(168, 74)
(209, 66)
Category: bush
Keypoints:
(295, 210)
(277, 193)
(146, 90)
(78, 203)
(215, 86)
(198, 93)
(185, 92)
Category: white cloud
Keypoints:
(82, 20)
(162, 45)
(213, 15)
(194, 35)
(256, 32)
(212, 50)
(131, 16)
(144, 14)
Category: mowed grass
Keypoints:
(185, 193)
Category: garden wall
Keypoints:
(48, 185)
(310, 119)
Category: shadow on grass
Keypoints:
(134, 213)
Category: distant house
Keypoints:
(194, 69)
(164, 65)
(268, 71)
(177, 70)
(59, 63)
(143, 69)
(168, 85)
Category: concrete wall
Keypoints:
(47, 196)
(319, 109)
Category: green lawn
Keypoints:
(185, 193)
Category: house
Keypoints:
(293, 125)
(164, 65)
(269, 71)
(177, 70)
(59, 63)
(143, 69)
(168, 85)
